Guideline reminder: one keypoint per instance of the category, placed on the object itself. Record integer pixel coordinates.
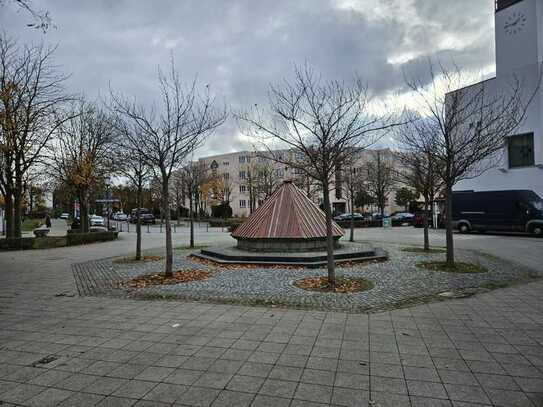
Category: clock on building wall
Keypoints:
(515, 23)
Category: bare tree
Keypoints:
(380, 177)
(419, 167)
(169, 132)
(80, 156)
(321, 123)
(353, 182)
(470, 126)
(267, 176)
(42, 19)
(195, 174)
(31, 100)
(131, 164)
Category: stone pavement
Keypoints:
(58, 349)
(396, 282)
(485, 350)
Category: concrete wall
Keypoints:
(518, 56)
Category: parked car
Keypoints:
(120, 216)
(146, 217)
(95, 220)
(349, 216)
(403, 217)
(378, 216)
(64, 215)
(512, 211)
(418, 219)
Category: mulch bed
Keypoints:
(344, 285)
(179, 277)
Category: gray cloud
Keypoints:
(240, 46)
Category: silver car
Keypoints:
(95, 220)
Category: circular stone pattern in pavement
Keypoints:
(396, 282)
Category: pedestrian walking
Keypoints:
(48, 221)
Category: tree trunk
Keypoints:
(168, 271)
(191, 221)
(351, 236)
(17, 208)
(84, 212)
(138, 222)
(9, 213)
(329, 239)
(449, 228)
(425, 225)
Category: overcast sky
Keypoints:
(239, 46)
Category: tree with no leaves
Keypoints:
(321, 123)
(419, 166)
(167, 133)
(195, 174)
(32, 101)
(470, 125)
(80, 156)
(380, 177)
(129, 163)
(353, 181)
(42, 19)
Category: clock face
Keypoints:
(514, 23)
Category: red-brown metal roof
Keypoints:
(287, 214)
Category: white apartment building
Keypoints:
(234, 168)
(519, 54)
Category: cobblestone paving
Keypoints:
(397, 281)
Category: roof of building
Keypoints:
(287, 214)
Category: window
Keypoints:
(279, 172)
(298, 171)
(225, 163)
(242, 189)
(521, 150)
(242, 203)
(299, 156)
(241, 159)
(226, 176)
(242, 175)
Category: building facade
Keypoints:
(519, 56)
(240, 171)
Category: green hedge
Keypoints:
(49, 242)
(91, 237)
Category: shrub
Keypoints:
(75, 238)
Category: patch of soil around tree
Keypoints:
(344, 285)
(462, 268)
(179, 277)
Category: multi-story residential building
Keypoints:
(519, 56)
(250, 178)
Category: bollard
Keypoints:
(148, 229)
(174, 228)
(161, 228)
(128, 226)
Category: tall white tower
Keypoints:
(519, 35)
